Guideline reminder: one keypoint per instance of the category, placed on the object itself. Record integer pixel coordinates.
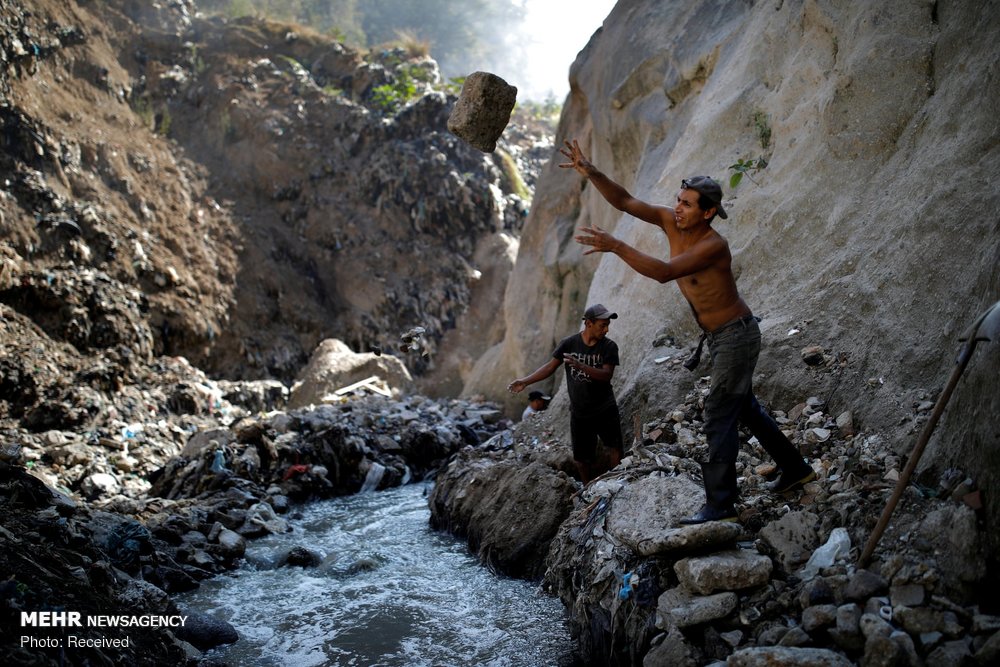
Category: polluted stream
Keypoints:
(388, 590)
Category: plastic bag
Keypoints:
(837, 546)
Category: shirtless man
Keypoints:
(701, 265)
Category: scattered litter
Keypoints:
(837, 546)
(372, 383)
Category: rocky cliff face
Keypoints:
(872, 231)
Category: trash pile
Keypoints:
(780, 587)
(56, 554)
(366, 217)
(169, 473)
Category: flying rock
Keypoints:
(482, 110)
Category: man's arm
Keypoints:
(696, 258)
(602, 374)
(614, 193)
(542, 372)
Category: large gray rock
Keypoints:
(679, 608)
(781, 656)
(952, 530)
(334, 366)
(509, 511)
(232, 544)
(205, 632)
(724, 571)
(645, 516)
(792, 538)
(670, 650)
(482, 110)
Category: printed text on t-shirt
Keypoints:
(593, 360)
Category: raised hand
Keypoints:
(577, 159)
(598, 240)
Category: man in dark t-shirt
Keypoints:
(590, 358)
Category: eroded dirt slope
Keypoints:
(234, 192)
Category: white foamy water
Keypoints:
(390, 591)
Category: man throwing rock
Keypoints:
(701, 265)
(590, 358)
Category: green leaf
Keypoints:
(735, 179)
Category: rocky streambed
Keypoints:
(782, 587)
(176, 474)
(172, 476)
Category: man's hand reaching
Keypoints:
(598, 240)
(577, 159)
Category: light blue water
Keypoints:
(390, 591)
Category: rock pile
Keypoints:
(781, 587)
(56, 554)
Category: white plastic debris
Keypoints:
(837, 546)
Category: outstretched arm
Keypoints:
(699, 256)
(616, 195)
(517, 386)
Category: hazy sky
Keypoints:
(555, 31)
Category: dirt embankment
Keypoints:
(244, 189)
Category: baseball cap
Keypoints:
(537, 394)
(599, 312)
(706, 185)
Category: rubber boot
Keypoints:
(720, 494)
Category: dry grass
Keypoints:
(410, 42)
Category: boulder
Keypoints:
(482, 110)
(205, 632)
(645, 516)
(670, 650)
(678, 608)
(723, 571)
(770, 656)
(792, 538)
(334, 366)
(509, 512)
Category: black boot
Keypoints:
(720, 494)
(709, 513)
(792, 480)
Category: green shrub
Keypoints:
(744, 167)
(163, 128)
(763, 126)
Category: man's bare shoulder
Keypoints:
(712, 246)
(668, 221)
(719, 241)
